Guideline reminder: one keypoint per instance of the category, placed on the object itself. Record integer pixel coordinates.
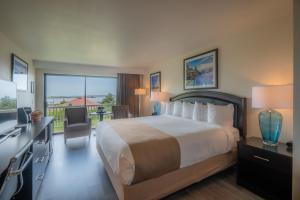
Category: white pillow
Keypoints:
(177, 109)
(221, 115)
(200, 112)
(163, 106)
(169, 108)
(187, 110)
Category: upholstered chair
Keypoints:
(77, 123)
(120, 111)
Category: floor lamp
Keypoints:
(140, 92)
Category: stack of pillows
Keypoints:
(216, 114)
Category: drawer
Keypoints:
(265, 158)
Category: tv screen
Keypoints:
(8, 106)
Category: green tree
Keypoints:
(7, 103)
(109, 99)
(63, 101)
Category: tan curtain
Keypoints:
(125, 91)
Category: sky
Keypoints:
(7, 89)
(74, 85)
(204, 60)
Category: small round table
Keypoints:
(101, 114)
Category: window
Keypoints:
(67, 90)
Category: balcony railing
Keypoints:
(58, 112)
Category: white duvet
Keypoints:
(197, 140)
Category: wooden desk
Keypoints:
(40, 134)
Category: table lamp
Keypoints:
(140, 92)
(270, 121)
(158, 98)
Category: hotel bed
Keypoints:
(151, 157)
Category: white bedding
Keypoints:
(197, 140)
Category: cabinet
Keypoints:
(40, 134)
(265, 170)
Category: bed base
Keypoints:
(171, 182)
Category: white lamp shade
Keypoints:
(275, 96)
(159, 96)
(140, 91)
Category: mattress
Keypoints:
(198, 141)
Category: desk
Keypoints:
(40, 134)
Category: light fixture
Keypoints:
(270, 121)
(158, 98)
(140, 92)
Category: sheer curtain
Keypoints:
(125, 91)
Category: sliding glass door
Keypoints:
(100, 92)
(66, 90)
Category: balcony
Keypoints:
(58, 112)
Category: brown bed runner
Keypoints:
(154, 152)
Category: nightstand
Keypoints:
(265, 170)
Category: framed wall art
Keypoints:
(155, 82)
(201, 71)
(19, 72)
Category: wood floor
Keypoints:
(76, 172)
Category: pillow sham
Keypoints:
(200, 112)
(187, 110)
(163, 108)
(177, 109)
(221, 115)
(169, 107)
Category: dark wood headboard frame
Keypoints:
(220, 98)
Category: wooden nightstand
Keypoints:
(265, 170)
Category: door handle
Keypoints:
(261, 158)
(40, 159)
(40, 177)
(40, 142)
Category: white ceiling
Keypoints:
(127, 33)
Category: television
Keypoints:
(8, 106)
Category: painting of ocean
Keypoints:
(155, 82)
(201, 71)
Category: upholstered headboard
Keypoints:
(219, 98)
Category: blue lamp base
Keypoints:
(156, 108)
(270, 123)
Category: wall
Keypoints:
(296, 158)
(6, 49)
(73, 69)
(255, 57)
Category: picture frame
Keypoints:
(32, 87)
(201, 71)
(155, 82)
(19, 73)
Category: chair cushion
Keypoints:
(76, 115)
(78, 127)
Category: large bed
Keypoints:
(151, 157)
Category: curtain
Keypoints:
(125, 91)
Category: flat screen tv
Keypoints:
(8, 106)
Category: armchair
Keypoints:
(77, 123)
(120, 111)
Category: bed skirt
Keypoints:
(171, 182)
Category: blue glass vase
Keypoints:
(156, 108)
(270, 123)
